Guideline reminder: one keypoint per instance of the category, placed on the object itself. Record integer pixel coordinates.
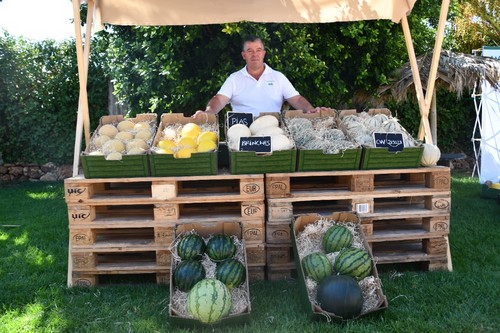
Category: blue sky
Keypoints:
(37, 19)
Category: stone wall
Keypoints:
(36, 172)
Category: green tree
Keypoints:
(39, 99)
(163, 69)
(477, 24)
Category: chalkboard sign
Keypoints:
(259, 144)
(234, 118)
(393, 141)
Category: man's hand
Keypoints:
(200, 114)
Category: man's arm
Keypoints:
(214, 105)
(300, 103)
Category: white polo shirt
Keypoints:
(246, 94)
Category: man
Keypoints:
(256, 87)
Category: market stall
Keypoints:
(130, 224)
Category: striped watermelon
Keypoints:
(353, 262)
(191, 246)
(220, 247)
(188, 273)
(231, 272)
(317, 266)
(209, 301)
(336, 238)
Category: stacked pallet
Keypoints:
(405, 213)
(125, 226)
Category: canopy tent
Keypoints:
(188, 12)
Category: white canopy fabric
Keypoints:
(189, 12)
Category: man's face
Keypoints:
(254, 53)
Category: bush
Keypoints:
(39, 91)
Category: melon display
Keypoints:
(340, 295)
(191, 246)
(220, 247)
(231, 272)
(336, 238)
(188, 273)
(317, 266)
(209, 301)
(353, 262)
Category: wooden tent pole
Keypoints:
(430, 93)
(83, 120)
(437, 52)
(416, 79)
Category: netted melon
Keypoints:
(108, 130)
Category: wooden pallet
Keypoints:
(345, 183)
(403, 202)
(280, 272)
(126, 214)
(433, 252)
(151, 190)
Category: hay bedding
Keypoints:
(310, 240)
(318, 134)
(240, 296)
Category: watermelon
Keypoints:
(191, 246)
(231, 272)
(188, 273)
(353, 262)
(220, 247)
(336, 238)
(209, 301)
(340, 295)
(317, 266)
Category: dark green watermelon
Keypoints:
(220, 247)
(316, 266)
(188, 273)
(191, 246)
(336, 238)
(231, 272)
(354, 262)
(340, 295)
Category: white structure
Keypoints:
(486, 136)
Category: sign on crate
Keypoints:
(234, 118)
(260, 144)
(393, 141)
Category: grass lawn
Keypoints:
(34, 296)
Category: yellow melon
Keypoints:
(184, 152)
(190, 130)
(186, 142)
(208, 135)
(166, 144)
(206, 146)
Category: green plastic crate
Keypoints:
(165, 165)
(248, 162)
(128, 166)
(381, 158)
(316, 160)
